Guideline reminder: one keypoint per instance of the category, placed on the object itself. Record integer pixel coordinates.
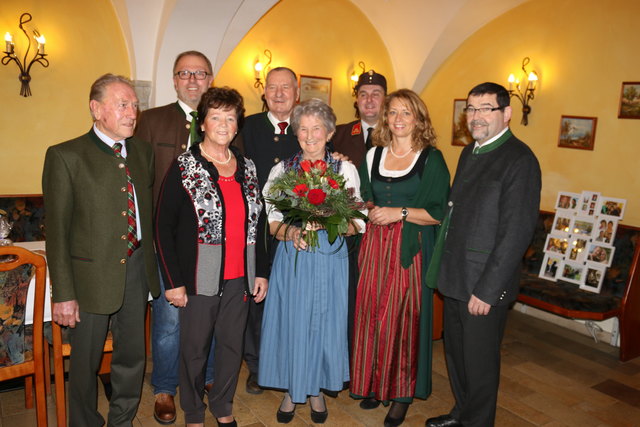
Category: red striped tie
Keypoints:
(132, 236)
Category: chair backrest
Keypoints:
(17, 267)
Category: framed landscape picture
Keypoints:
(577, 132)
(315, 87)
(582, 226)
(593, 279)
(629, 101)
(460, 133)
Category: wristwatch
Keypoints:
(404, 212)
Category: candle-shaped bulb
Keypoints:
(41, 41)
(258, 68)
(511, 79)
(8, 42)
(533, 79)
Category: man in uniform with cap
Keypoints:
(171, 130)
(354, 139)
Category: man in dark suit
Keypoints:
(493, 208)
(354, 139)
(168, 129)
(266, 139)
(98, 199)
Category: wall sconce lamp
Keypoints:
(355, 76)
(529, 83)
(38, 57)
(260, 70)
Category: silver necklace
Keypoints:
(207, 155)
(395, 155)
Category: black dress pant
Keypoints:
(472, 350)
(203, 318)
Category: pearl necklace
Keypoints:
(399, 157)
(208, 156)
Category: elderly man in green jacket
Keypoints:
(98, 202)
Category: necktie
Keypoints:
(367, 142)
(283, 127)
(132, 236)
(194, 135)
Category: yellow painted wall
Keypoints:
(84, 41)
(583, 51)
(319, 38)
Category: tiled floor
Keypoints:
(550, 377)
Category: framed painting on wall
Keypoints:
(460, 134)
(577, 132)
(629, 101)
(315, 87)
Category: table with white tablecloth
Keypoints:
(39, 248)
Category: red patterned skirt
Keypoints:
(387, 317)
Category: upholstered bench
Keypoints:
(26, 211)
(619, 296)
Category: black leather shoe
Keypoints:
(396, 414)
(319, 417)
(443, 421)
(252, 385)
(369, 403)
(285, 417)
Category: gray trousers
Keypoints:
(128, 359)
(203, 318)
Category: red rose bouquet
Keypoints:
(316, 197)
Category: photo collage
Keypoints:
(579, 247)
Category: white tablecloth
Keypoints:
(39, 248)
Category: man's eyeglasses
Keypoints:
(482, 110)
(186, 75)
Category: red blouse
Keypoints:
(234, 227)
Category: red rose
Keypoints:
(332, 183)
(320, 165)
(301, 190)
(305, 165)
(316, 196)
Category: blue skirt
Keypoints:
(303, 344)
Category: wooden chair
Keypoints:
(32, 364)
(62, 349)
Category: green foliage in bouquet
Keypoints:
(316, 197)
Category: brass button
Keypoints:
(123, 261)
(450, 203)
(123, 189)
(123, 237)
(183, 146)
(188, 125)
(276, 160)
(121, 165)
(124, 213)
(276, 139)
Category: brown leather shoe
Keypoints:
(164, 410)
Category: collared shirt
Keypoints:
(275, 122)
(490, 140)
(365, 128)
(110, 142)
(187, 113)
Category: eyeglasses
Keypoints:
(186, 74)
(482, 110)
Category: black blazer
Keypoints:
(494, 205)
